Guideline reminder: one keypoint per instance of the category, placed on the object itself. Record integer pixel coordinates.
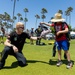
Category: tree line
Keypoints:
(7, 22)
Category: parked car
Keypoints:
(50, 36)
(72, 36)
(1, 34)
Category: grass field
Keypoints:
(40, 61)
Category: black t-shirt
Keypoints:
(18, 40)
(38, 31)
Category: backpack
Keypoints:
(68, 33)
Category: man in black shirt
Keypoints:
(14, 45)
(38, 33)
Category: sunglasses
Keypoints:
(21, 27)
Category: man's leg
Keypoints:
(37, 42)
(21, 59)
(4, 55)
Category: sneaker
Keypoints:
(59, 63)
(70, 65)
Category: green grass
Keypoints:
(40, 61)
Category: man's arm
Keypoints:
(33, 38)
(8, 43)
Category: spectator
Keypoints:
(32, 34)
(38, 33)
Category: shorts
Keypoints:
(64, 44)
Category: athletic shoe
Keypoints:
(70, 65)
(59, 63)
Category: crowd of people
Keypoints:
(16, 40)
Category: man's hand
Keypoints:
(15, 49)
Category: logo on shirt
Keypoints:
(15, 38)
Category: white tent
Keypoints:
(72, 33)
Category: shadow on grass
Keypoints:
(51, 62)
(54, 61)
(13, 65)
(35, 61)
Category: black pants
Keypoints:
(9, 51)
(38, 41)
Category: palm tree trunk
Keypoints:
(25, 22)
(14, 7)
(70, 19)
(13, 12)
(43, 20)
(66, 18)
(36, 24)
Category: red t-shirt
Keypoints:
(58, 27)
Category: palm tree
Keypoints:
(1, 18)
(67, 14)
(4, 23)
(70, 10)
(43, 17)
(25, 10)
(37, 17)
(60, 11)
(19, 15)
(14, 9)
(21, 18)
(43, 13)
(14, 18)
(11, 21)
(8, 20)
(5, 15)
(25, 20)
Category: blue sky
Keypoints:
(35, 6)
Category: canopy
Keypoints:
(72, 32)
